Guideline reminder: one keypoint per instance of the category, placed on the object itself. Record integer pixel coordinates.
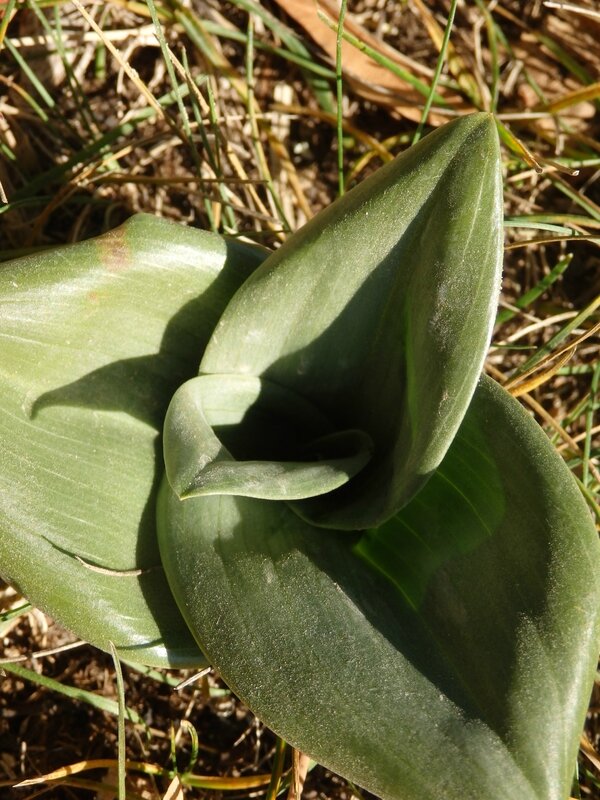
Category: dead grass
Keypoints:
(93, 130)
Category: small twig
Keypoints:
(192, 679)
(300, 764)
(586, 12)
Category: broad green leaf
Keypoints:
(378, 312)
(463, 672)
(94, 340)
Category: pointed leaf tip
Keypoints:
(379, 312)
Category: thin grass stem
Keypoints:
(589, 423)
(121, 753)
(529, 297)
(438, 71)
(30, 74)
(6, 18)
(91, 698)
(278, 763)
(340, 96)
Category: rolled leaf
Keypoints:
(94, 340)
(459, 667)
(255, 417)
(378, 312)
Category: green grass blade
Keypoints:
(583, 202)
(30, 74)
(589, 421)
(121, 754)
(316, 75)
(391, 65)
(96, 701)
(13, 613)
(166, 54)
(566, 223)
(278, 762)
(6, 18)
(591, 498)
(251, 107)
(568, 62)
(524, 222)
(438, 71)
(84, 111)
(546, 282)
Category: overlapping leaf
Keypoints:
(94, 340)
(465, 672)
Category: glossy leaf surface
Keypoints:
(94, 340)
(378, 312)
(462, 674)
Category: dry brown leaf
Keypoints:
(367, 78)
(174, 790)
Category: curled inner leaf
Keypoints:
(241, 435)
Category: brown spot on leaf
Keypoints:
(114, 251)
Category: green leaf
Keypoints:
(253, 417)
(461, 673)
(94, 340)
(378, 312)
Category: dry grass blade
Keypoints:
(37, 654)
(352, 130)
(548, 419)
(575, 9)
(588, 751)
(547, 352)
(572, 98)
(519, 388)
(86, 766)
(300, 765)
(131, 73)
(204, 781)
(174, 790)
